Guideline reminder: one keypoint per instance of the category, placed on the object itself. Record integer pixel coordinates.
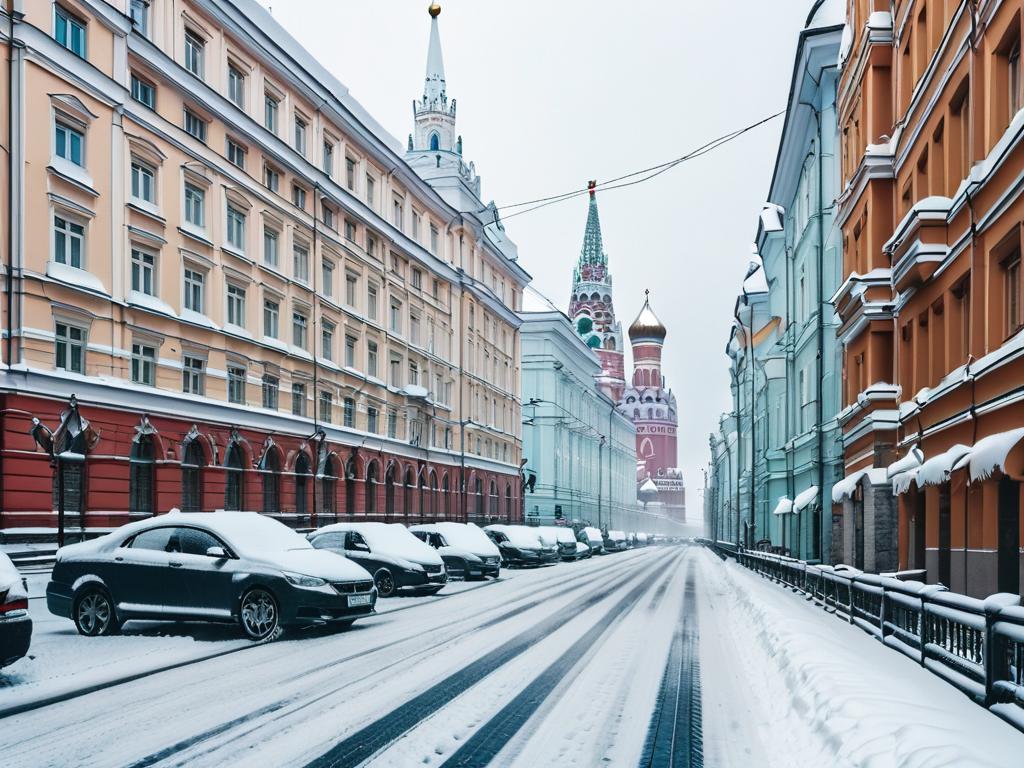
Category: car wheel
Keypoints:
(259, 615)
(94, 613)
(385, 582)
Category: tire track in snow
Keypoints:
(299, 702)
(366, 742)
(485, 744)
(675, 736)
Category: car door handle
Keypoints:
(174, 564)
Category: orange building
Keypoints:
(931, 220)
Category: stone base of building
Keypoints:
(869, 529)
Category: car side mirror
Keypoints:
(359, 547)
(216, 552)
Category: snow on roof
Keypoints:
(846, 487)
(391, 539)
(519, 535)
(557, 533)
(901, 483)
(936, 470)
(648, 485)
(908, 462)
(785, 506)
(771, 217)
(805, 498)
(462, 535)
(616, 535)
(534, 301)
(990, 453)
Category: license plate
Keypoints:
(357, 600)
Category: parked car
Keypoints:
(583, 551)
(15, 624)
(615, 541)
(521, 545)
(396, 558)
(212, 566)
(640, 540)
(466, 550)
(592, 538)
(562, 539)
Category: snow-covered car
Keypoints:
(592, 538)
(466, 550)
(561, 538)
(640, 540)
(583, 551)
(396, 558)
(521, 545)
(214, 566)
(615, 541)
(15, 624)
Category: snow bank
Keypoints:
(990, 453)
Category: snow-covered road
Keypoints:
(558, 666)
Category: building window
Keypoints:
(195, 206)
(414, 373)
(371, 245)
(143, 182)
(236, 154)
(298, 196)
(144, 364)
(143, 272)
(417, 279)
(68, 242)
(371, 420)
(392, 424)
(143, 92)
(139, 11)
(350, 351)
(434, 236)
(299, 327)
(298, 399)
(270, 238)
(236, 87)
(236, 306)
(236, 384)
(327, 274)
(350, 174)
(1014, 307)
(236, 228)
(327, 408)
(327, 341)
(328, 158)
(371, 193)
(271, 314)
(69, 31)
(193, 375)
(350, 231)
(69, 143)
(327, 216)
(414, 328)
(371, 358)
(351, 285)
(194, 286)
(395, 372)
(271, 109)
(371, 302)
(140, 477)
(195, 126)
(300, 135)
(271, 386)
(396, 316)
(1013, 79)
(350, 412)
(194, 51)
(300, 263)
(416, 219)
(70, 348)
(271, 178)
(396, 213)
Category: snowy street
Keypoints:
(563, 665)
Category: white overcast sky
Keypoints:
(554, 92)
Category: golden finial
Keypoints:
(434, 10)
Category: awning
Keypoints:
(805, 498)
(991, 453)
(785, 506)
(936, 470)
(846, 487)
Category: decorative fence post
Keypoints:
(994, 649)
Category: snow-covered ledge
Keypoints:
(75, 276)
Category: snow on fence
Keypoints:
(976, 645)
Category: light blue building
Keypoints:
(580, 449)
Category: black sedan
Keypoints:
(520, 545)
(396, 558)
(234, 567)
(15, 625)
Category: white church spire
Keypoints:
(434, 87)
(434, 116)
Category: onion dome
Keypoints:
(647, 326)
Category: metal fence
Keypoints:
(976, 645)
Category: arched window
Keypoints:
(192, 464)
(609, 343)
(447, 498)
(410, 481)
(423, 497)
(302, 474)
(607, 299)
(271, 468)
(350, 486)
(371, 488)
(389, 492)
(71, 474)
(141, 486)
(479, 498)
(329, 488)
(433, 495)
(234, 481)
(595, 296)
(435, 142)
(508, 502)
(494, 499)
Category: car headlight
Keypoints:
(300, 580)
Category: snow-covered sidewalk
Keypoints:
(787, 684)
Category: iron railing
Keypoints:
(975, 645)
